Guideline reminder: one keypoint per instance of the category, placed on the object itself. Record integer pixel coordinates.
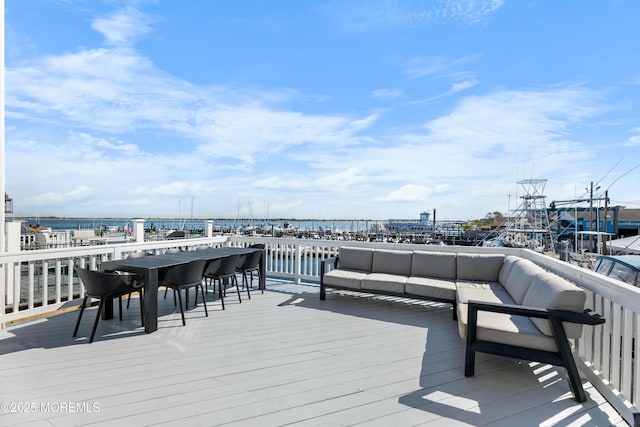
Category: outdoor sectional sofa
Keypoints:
(504, 305)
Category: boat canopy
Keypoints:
(625, 268)
(626, 245)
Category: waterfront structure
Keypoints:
(528, 225)
(411, 226)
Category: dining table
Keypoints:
(150, 266)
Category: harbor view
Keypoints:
(302, 213)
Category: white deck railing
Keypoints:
(607, 353)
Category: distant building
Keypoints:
(421, 225)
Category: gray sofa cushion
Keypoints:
(431, 287)
(550, 291)
(391, 262)
(483, 292)
(505, 329)
(434, 264)
(345, 278)
(519, 278)
(359, 259)
(384, 282)
(507, 266)
(479, 267)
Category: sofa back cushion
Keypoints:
(507, 265)
(479, 267)
(550, 291)
(434, 264)
(355, 259)
(519, 278)
(391, 262)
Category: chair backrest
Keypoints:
(99, 284)
(212, 267)
(185, 274)
(250, 261)
(257, 246)
(227, 266)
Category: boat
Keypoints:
(528, 225)
(625, 268)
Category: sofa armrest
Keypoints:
(586, 318)
(563, 357)
(324, 265)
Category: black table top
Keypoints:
(171, 259)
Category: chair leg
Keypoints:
(95, 323)
(248, 294)
(84, 303)
(234, 279)
(120, 306)
(184, 323)
(204, 301)
(195, 302)
(220, 293)
(128, 300)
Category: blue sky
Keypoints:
(317, 109)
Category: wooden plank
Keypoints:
(283, 357)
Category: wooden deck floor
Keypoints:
(282, 358)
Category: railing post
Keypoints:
(13, 231)
(298, 264)
(138, 230)
(209, 227)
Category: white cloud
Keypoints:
(367, 15)
(123, 27)
(635, 139)
(387, 94)
(81, 192)
(406, 193)
(435, 65)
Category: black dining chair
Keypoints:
(186, 276)
(104, 286)
(225, 272)
(250, 263)
(210, 270)
(135, 280)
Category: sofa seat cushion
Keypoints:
(553, 292)
(518, 279)
(431, 287)
(384, 282)
(433, 264)
(482, 291)
(359, 259)
(391, 262)
(345, 278)
(505, 329)
(479, 267)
